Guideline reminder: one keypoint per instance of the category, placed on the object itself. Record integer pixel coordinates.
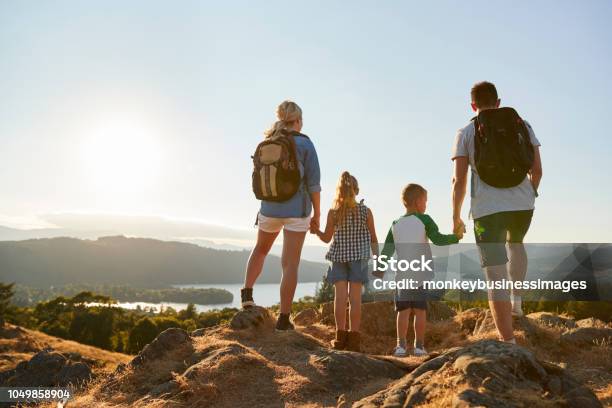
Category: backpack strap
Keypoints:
(474, 120)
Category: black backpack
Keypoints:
(503, 149)
(276, 171)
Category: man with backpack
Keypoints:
(504, 157)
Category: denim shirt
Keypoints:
(300, 205)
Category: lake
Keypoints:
(265, 294)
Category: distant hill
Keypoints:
(132, 261)
(205, 235)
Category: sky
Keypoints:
(153, 108)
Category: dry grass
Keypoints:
(19, 344)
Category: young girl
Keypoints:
(351, 225)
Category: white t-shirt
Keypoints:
(486, 199)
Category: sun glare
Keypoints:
(122, 157)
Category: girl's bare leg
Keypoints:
(340, 297)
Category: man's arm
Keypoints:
(459, 188)
(535, 174)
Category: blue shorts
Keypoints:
(411, 299)
(354, 271)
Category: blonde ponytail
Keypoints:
(345, 201)
(287, 113)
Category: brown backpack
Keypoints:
(276, 171)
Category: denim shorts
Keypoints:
(354, 271)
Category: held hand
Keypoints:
(378, 274)
(458, 227)
(314, 223)
(459, 234)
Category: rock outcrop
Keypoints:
(47, 368)
(247, 360)
(253, 317)
(486, 373)
(587, 336)
(306, 317)
(551, 319)
(246, 363)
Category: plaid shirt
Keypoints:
(352, 238)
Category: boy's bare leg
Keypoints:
(420, 317)
(355, 300)
(340, 295)
(402, 326)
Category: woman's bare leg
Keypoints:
(292, 251)
(265, 240)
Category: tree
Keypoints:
(325, 292)
(94, 326)
(188, 313)
(6, 293)
(164, 323)
(142, 334)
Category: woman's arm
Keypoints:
(329, 228)
(372, 229)
(312, 176)
(315, 222)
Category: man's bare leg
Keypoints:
(499, 302)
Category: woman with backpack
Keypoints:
(286, 178)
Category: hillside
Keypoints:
(131, 261)
(18, 344)
(558, 362)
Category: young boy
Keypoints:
(408, 237)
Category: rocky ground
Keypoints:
(19, 345)
(558, 362)
(33, 359)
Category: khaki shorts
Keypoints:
(270, 224)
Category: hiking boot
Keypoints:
(353, 342)
(341, 338)
(283, 323)
(246, 295)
